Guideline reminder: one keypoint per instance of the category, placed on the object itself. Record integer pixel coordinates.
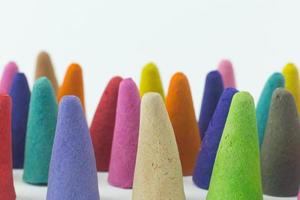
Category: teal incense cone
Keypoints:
(276, 80)
(40, 132)
(236, 173)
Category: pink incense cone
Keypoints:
(226, 70)
(125, 139)
(9, 72)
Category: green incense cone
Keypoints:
(236, 173)
(40, 132)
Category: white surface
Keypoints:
(109, 37)
(107, 192)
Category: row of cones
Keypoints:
(149, 143)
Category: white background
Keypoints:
(117, 37)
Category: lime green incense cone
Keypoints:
(236, 173)
(40, 132)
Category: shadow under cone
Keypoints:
(276, 80)
(124, 147)
(280, 153)
(236, 173)
(158, 173)
(212, 91)
(44, 67)
(73, 84)
(226, 70)
(73, 173)
(40, 132)
(8, 74)
(210, 143)
(102, 128)
(7, 191)
(181, 111)
(20, 94)
(291, 76)
(150, 80)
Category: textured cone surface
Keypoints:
(102, 128)
(150, 80)
(210, 143)
(7, 191)
(280, 153)
(20, 94)
(158, 173)
(73, 173)
(276, 80)
(290, 73)
(236, 173)
(73, 84)
(9, 72)
(40, 132)
(124, 147)
(44, 67)
(212, 92)
(226, 70)
(182, 115)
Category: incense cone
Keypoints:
(226, 70)
(8, 74)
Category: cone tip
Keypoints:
(290, 68)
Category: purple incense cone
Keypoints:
(20, 95)
(72, 173)
(9, 72)
(210, 143)
(124, 147)
(212, 91)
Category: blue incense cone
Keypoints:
(40, 132)
(212, 92)
(72, 173)
(276, 80)
(210, 143)
(20, 94)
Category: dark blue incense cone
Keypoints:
(212, 92)
(210, 143)
(20, 95)
(72, 173)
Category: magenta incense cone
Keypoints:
(9, 72)
(125, 139)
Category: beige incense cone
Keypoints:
(158, 173)
(45, 68)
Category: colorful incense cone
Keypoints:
(226, 70)
(124, 147)
(9, 72)
(290, 73)
(150, 80)
(73, 84)
(212, 92)
(102, 128)
(7, 190)
(236, 173)
(181, 111)
(280, 152)
(210, 143)
(44, 67)
(276, 80)
(158, 173)
(20, 94)
(40, 132)
(72, 173)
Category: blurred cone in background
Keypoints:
(226, 70)
(102, 128)
(7, 190)
(280, 153)
(236, 173)
(44, 67)
(20, 94)
(8, 74)
(181, 111)
(72, 173)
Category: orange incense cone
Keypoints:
(180, 107)
(73, 84)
